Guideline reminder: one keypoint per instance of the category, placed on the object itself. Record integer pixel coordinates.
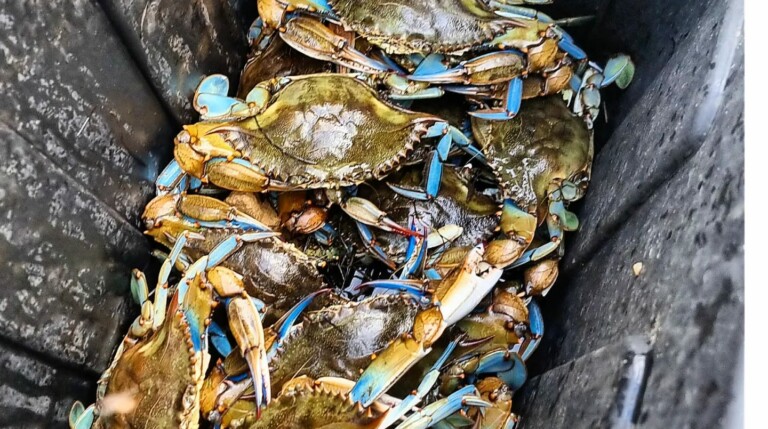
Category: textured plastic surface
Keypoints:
(94, 92)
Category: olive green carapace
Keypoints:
(326, 131)
(458, 203)
(309, 407)
(338, 341)
(410, 26)
(273, 271)
(543, 145)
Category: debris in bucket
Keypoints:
(363, 244)
(638, 268)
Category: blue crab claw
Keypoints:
(431, 64)
(210, 212)
(369, 241)
(245, 324)
(302, 33)
(215, 84)
(567, 45)
(536, 323)
(172, 179)
(81, 417)
(567, 220)
(619, 69)
(366, 212)
(440, 410)
(387, 368)
(425, 386)
(482, 70)
(507, 365)
(512, 102)
(211, 99)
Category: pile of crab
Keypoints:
(360, 236)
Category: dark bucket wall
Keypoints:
(98, 89)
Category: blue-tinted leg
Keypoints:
(81, 417)
(510, 11)
(536, 323)
(286, 322)
(231, 244)
(219, 339)
(172, 179)
(439, 410)
(369, 241)
(325, 235)
(512, 102)
(414, 288)
(415, 256)
(425, 386)
(567, 45)
(433, 63)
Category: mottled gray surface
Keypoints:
(34, 394)
(65, 259)
(668, 192)
(177, 43)
(72, 91)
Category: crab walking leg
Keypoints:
(172, 180)
(153, 314)
(450, 136)
(369, 241)
(558, 220)
(416, 253)
(455, 297)
(467, 396)
(425, 386)
(537, 330)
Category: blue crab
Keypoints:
(382, 336)
(452, 297)
(325, 131)
(160, 366)
(434, 34)
(168, 216)
(542, 160)
(458, 216)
